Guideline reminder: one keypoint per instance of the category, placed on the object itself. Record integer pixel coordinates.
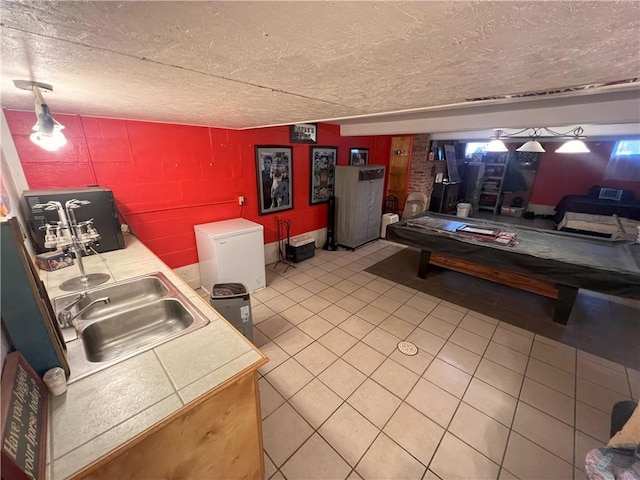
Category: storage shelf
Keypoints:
(490, 186)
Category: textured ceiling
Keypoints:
(248, 64)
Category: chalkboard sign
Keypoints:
(24, 421)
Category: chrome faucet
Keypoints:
(65, 317)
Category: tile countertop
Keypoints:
(104, 410)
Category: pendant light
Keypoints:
(533, 146)
(496, 145)
(574, 145)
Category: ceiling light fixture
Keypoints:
(497, 145)
(574, 145)
(531, 146)
(47, 132)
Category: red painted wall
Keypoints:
(167, 178)
(573, 174)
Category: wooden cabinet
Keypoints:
(444, 197)
(217, 436)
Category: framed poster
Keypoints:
(358, 156)
(303, 133)
(323, 171)
(274, 168)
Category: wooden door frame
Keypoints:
(408, 173)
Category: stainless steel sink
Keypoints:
(125, 295)
(133, 329)
(143, 312)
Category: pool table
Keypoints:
(550, 263)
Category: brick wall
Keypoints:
(423, 172)
(419, 172)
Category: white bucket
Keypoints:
(463, 209)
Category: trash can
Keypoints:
(234, 304)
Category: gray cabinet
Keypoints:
(358, 192)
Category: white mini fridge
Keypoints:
(231, 251)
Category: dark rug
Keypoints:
(599, 324)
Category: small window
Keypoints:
(624, 163)
(475, 150)
(626, 148)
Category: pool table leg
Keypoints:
(564, 303)
(423, 265)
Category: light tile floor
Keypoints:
(481, 400)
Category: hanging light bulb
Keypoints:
(51, 140)
(47, 132)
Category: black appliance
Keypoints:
(102, 209)
(444, 197)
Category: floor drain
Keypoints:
(407, 348)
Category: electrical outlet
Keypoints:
(240, 200)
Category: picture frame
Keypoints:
(322, 174)
(359, 156)
(274, 174)
(610, 194)
(303, 133)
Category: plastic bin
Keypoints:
(232, 301)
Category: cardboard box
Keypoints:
(512, 211)
(51, 261)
